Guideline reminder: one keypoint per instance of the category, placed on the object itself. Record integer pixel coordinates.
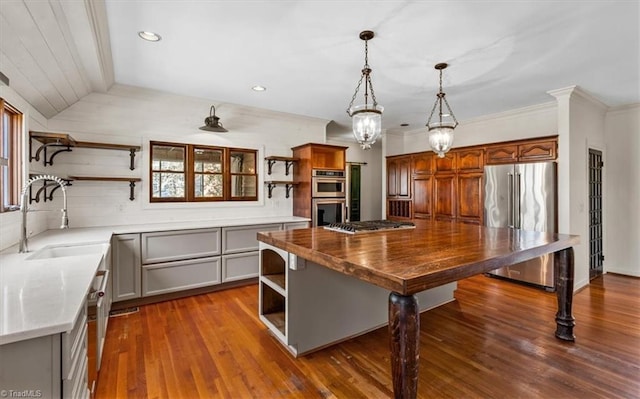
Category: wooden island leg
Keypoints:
(404, 332)
(564, 270)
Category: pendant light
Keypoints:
(367, 117)
(212, 122)
(441, 130)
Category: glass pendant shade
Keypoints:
(441, 129)
(367, 124)
(441, 139)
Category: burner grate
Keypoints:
(369, 225)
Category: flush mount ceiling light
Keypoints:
(149, 36)
(212, 122)
(258, 88)
(441, 130)
(367, 117)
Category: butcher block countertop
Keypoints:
(408, 261)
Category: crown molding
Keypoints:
(579, 92)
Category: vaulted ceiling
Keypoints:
(502, 54)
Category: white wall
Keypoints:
(622, 185)
(130, 115)
(10, 221)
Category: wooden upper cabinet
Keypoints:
(447, 164)
(538, 151)
(399, 177)
(501, 154)
(321, 156)
(422, 163)
(470, 160)
(523, 151)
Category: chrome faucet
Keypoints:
(23, 207)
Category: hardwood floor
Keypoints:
(495, 341)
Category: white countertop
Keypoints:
(44, 297)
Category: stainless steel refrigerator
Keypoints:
(523, 196)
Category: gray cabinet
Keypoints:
(162, 278)
(53, 366)
(126, 267)
(163, 262)
(166, 246)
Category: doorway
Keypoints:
(354, 192)
(596, 255)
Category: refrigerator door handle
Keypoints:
(510, 201)
(517, 203)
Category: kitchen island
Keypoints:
(408, 261)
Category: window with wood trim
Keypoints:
(197, 173)
(10, 157)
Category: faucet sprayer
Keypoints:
(23, 207)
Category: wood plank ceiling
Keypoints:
(55, 52)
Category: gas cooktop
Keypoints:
(369, 226)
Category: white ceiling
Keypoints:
(502, 54)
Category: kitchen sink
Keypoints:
(62, 251)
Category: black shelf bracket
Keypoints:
(43, 149)
(270, 163)
(132, 186)
(132, 155)
(46, 194)
(272, 184)
(287, 166)
(288, 188)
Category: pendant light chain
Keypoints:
(368, 85)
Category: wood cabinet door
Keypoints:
(444, 188)
(537, 151)
(470, 160)
(447, 164)
(404, 177)
(501, 154)
(392, 178)
(422, 197)
(470, 205)
(422, 163)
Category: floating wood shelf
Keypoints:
(271, 184)
(132, 181)
(288, 162)
(63, 142)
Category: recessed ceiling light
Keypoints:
(149, 36)
(258, 88)
(404, 124)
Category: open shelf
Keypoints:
(288, 162)
(63, 142)
(271, 184)
(132, 181)
(276, 319)
(277, 282)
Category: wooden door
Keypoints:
(404, 177)
(470, 205)
(447, 164)
(470, 160)
(501, 154)
(537, 151)
(392, 177)
(422, 197)
(444, 187)
(422, 163)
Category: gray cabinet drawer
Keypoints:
(244, 238)
(178, 276)
(240, 266)
(296, 225)
(166, 246)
